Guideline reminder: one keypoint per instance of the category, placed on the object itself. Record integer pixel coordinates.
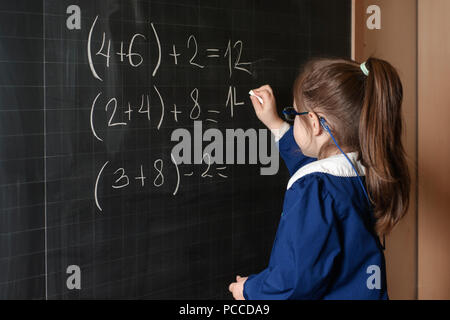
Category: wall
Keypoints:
(396, 42)
(434, 150)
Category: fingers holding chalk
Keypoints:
(257, 97)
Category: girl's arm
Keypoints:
(306, 246)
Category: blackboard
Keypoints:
(86, 117)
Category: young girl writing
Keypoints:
(349, 182)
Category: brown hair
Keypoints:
(364, 115)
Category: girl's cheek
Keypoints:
(299, 133)
(297, 127)
(302, 138)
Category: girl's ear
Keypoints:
(315, 124)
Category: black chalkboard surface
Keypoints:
(87, 111)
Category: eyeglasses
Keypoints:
(290, 113)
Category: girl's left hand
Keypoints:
(237, 288)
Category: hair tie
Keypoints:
(364, 68)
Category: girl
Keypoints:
(349, 182)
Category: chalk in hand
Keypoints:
(257, 97)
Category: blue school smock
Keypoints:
(325, 245)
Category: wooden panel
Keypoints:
(434, 150)
(396, 42)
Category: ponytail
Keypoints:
(380, 140)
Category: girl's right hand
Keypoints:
(267, 111)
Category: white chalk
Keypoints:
(257, 97)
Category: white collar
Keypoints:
(336, 165)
